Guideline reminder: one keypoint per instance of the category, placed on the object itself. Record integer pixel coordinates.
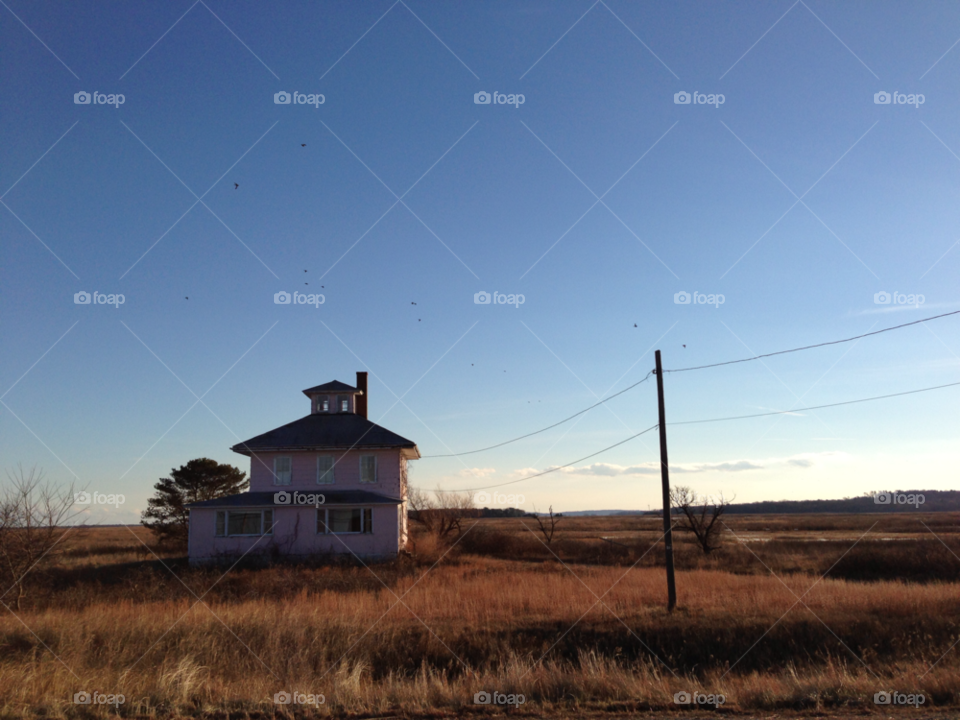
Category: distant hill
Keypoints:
(933, 501)
(900, 501)
(591, 513)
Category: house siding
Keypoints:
(294, 535)
(346, 471)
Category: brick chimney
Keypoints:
(361, 401)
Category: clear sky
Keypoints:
(599, 198)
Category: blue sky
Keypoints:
(798, 199)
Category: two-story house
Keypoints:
(330, 482)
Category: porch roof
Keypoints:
(266, 499)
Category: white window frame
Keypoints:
(266, 523)
(343, 403)
(276, 472)
(366, 521)
(323, 403)
(375, 469)
(331, 477)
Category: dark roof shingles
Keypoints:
(323, 430)
(333, 386)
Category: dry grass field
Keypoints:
(793, 616)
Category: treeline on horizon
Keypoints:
(934, 501)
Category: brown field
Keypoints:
(794, 616)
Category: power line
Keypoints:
(816, 407)
(549, 427)
(818, 345)
(553, 470)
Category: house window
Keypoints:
(325, 470)
(221, 523)
(368, 468)
(344, 521)
(344, 403)
(282, 470)
(246, 523)
(323, 404)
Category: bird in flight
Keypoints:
(236, 185)
(303, 144)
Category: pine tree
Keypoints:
(200, 479)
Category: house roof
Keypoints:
(334, 386)
(267, 499)
(327, 431)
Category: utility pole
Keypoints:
(665, 481)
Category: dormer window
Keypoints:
(323, 404)
(344, 403)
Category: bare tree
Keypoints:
(441, 513)
(549, 526)
(32, 516)
(701, 516)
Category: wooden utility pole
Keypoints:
(665, 481)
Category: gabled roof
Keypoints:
(334, 386)
(327, 431)
(266, 499)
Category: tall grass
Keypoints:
(532, 626)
